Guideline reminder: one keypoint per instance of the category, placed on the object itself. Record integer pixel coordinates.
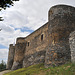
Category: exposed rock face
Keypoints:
(19, 55)
(72, 46)
(50, 43)
(10, 56)
(61, 24)
(36, 58)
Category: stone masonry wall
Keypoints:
(61, 24)
(50, 43)
(32, 59)
(19, 55)
(72, 46)
(10, 56)
(35, 42)
(35, 51)
(20, 40)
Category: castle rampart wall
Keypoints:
(61, 24)
(37, 41)
(36, 46)
(50, 43)
(20, 40)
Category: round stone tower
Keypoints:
(10, 56)
(61, 24)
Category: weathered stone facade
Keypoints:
(50, 43)
(10, 56)
(32, 59)
(61, 24)
(19, 55)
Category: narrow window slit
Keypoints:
(28, 43)
(41, 37)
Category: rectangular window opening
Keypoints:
(28, 43)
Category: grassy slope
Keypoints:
(67, 69)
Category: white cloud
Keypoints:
(30, 13)
(3, 54)
(6, 28)
(8, 34)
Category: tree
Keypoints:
(2, 66)
(4, 4)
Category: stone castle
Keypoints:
(51, 44)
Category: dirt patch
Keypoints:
(3, 72)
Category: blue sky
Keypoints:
(22, 19)
(3, 47)
(25, 29)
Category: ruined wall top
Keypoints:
(20, 40)
(45, 26)
(60, 10)
(33, 34)
(11, 45)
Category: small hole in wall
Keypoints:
(41, 37)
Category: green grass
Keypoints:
(39, 69)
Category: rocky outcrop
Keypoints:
(10, 56)
(36, 58)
